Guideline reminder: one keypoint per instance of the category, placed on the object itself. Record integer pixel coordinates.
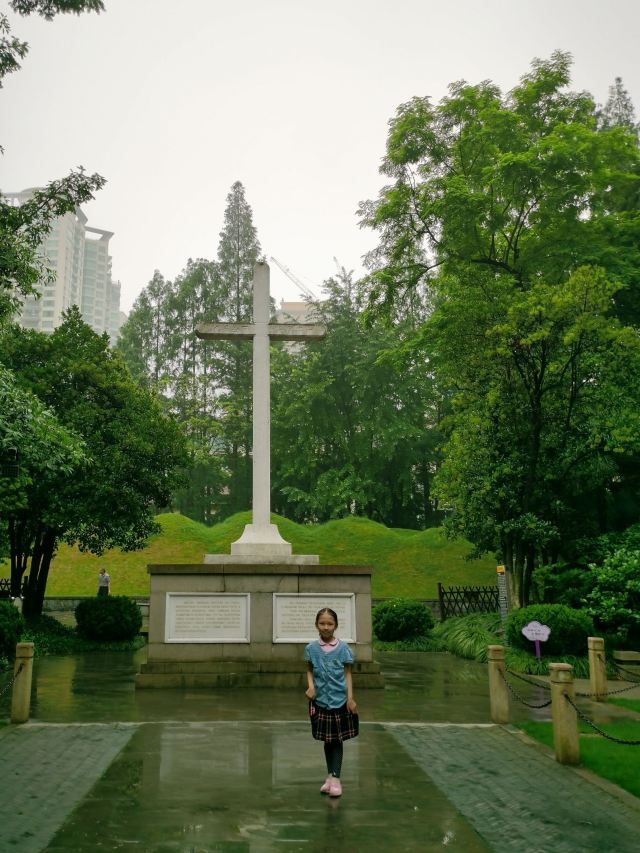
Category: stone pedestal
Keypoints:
(240, 621)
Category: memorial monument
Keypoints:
(243, 619)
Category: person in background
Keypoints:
(104, 582)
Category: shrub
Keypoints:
(401, 619)
(563, 583)
(569, 628)
(11, 628)
(614, 601)
(113, 617)
(469, 636)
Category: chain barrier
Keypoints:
(590, 723)
(529, 680)
(591, 695)
(515, 693)
(10, 683)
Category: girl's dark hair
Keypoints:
(331, 613)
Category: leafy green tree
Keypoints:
(516, 212)
(23, 228)
(353, 432)
(41, 450)
(132, 450)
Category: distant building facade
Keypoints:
(79, 257)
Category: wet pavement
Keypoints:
(102, 766)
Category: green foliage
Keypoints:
(415, 644)
(469, 636)
(518, 660)
(107, 618)
(562, 583)
(519, 215)
(11, 629)
(406, 563)
(51, 637)
(354, 431)
(401, 619)
(614, 600)
(130, 451)
(569, 628)
(206, 386)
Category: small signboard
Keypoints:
(537, 633)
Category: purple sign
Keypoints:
(537, 633)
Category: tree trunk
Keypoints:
(528, 574)
(43, 550)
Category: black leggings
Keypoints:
(333, 757)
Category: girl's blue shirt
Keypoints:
(328, 673)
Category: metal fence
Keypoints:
(461, 600)
(5, 587)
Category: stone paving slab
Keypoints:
(46, 770)
(249, 787)
(517, 798)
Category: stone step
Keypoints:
(243, 673)
(226, 666)
(290, 680)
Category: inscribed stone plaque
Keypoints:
(202, 617)
(294, 616)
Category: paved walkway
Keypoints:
(519, 799)
(46, 771)
(253, 786)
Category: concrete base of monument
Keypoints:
(269, 559)
(232, 623)
(206, 674)
(261, 540)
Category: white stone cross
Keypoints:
(261, 538)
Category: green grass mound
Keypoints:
(407, 563)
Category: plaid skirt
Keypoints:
(333, 724)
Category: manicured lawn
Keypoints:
(405, 562)
(632, 704)
(612, 761)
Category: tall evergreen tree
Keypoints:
(618, 110)
(207, 387)
(238, 252)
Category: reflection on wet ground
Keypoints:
(99, 687)
(420, 687)
(236, 769)
(255, 787)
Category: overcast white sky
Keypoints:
(174, 101)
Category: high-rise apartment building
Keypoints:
(79, 259)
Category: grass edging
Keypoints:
(614, 764)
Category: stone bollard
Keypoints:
(565, 719)
(597, 668)
(21, 695)
(498, 693)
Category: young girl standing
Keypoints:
(332, 708)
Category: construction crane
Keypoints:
(294, 278)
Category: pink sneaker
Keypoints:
(335, 788)
(327, 785)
